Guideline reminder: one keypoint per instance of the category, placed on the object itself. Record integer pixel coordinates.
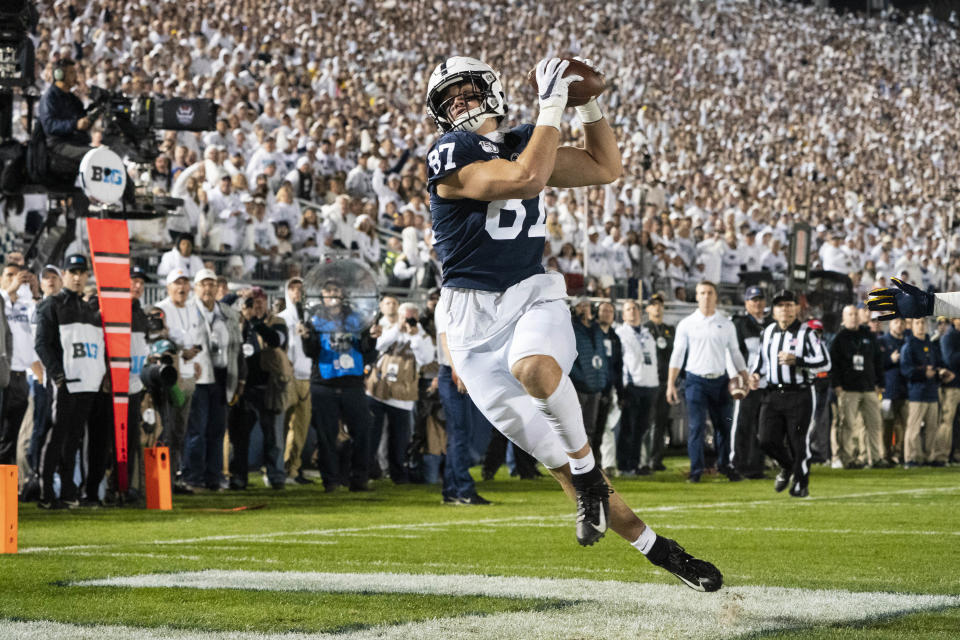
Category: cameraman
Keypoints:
(263, 338)
(336, 387)
(407, 341)
(63, 119)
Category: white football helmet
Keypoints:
(486, 83)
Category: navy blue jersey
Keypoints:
(484, 245)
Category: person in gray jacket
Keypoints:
(215, 329)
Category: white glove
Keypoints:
(553, 88)
(589, 112)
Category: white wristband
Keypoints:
(946, 304)
(550, 117)
(590, 112)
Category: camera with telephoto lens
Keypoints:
(154, 323)
(158, 376)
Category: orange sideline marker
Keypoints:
(156, 463)
(8, 508)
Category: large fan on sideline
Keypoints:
(352, 281)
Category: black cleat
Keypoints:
(593, 506)
(783, 479)
(475, 500)
(696, 574)
(798, 491)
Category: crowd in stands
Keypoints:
(737, 120)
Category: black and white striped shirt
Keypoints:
(799, 340)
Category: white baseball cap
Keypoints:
(204, 274)
(175, 275)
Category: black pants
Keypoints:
(330, 406)
(71, 412)
(747, 456)
(497, 454)
(639, 407)
(784, 428)
(241, 418)
(15, 399)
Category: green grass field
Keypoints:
(408, 567)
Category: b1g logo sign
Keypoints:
(103, 175)
(106, 175)
(85, 349)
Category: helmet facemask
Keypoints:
(473, 85)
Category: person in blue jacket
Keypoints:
(894, 407)
(339, 351)
(922, 366)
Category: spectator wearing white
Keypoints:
(618, 257)
(310, 236)
(261, 237)
(703, 341)
(774, 260)
(833, 257)
(733, 260)
(710, 254)
(213, 169)
(180, 257)
(181, 324)
(340, 220)
(219, 137)
(368, 243)
(406, 336)
(359, 182)
(298, 393)
(909, 264)
(285, 207)
(640, 386)
(752, 251)
(568, 260)
(265, 154)
(228, 216)
(326, 160)
(386, 187)
(597, 264)
(19, 309)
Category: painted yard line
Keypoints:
(448, 523)
(666, 525)
(604, 609)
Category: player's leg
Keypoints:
(504, 401)
(541, 367)
(663, 552)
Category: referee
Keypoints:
(790, 357)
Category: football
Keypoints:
(582, 91)
(737, 391)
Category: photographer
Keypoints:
(393, 386)
(336, 388)
(263, 399)
(298, 393)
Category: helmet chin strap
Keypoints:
(471, 120)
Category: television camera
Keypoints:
(130, 125)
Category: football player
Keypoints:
(508, 329)
(903, 300)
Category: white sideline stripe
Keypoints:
(628, 609)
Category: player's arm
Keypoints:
(598, 162)
(502, 179)
(525, 177)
